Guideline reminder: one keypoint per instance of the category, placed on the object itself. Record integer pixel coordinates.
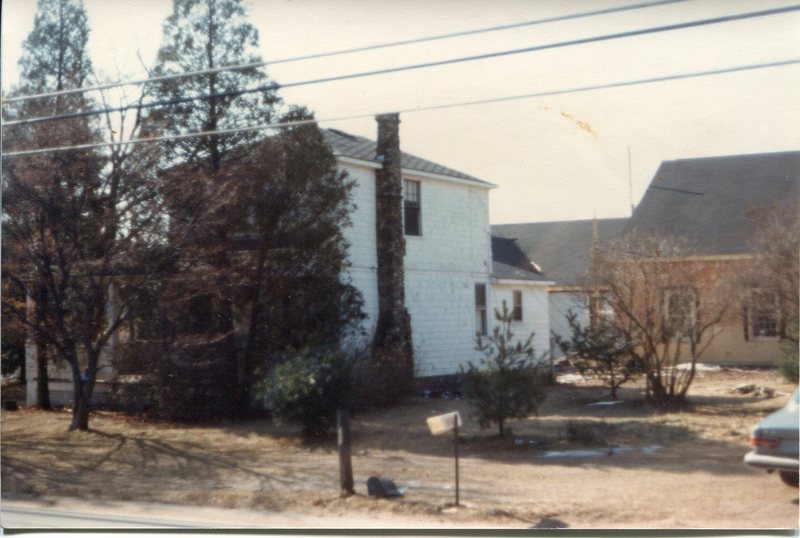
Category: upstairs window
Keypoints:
(516, 313)
(481, 326)
(680, 312)
(412, 222)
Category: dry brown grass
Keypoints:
(695, 479)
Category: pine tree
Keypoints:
(37, 189)
(273, 252)
(208, 34)
(86, 229)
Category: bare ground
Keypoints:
(677, 468)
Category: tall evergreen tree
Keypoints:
(208, 34)
(85, 228)
(272, 279)
(54, 58)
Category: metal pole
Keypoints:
(455, 445)
(345, 462)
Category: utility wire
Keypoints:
(412, 110)
(276, 86)
(462, 59)
(241, 67)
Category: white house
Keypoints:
(455, 275)
(453, 282)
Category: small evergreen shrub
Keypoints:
(507, 382)
(600, 352)
(309, 387)
(789, 361)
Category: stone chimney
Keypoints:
(392, 350)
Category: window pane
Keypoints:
(480, 295)
(517, 312)
(680, 314)
(411, 192)
(412, 222)
(481, 326)
(764, 307)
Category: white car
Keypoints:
(775, 442)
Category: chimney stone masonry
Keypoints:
(392, 350)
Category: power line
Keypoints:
(241, 67)
(462, 59)
(412, 110)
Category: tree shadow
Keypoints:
(140, 466)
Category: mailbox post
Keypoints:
(455, 451)
(345, 462)
(442, 424)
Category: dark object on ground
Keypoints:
(382, 487)
(548, 523)
(11, 405)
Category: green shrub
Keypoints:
(309, 386)
(599, 351)
(507, 382)
(789, 361)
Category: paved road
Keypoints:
(14, 517)
(65, 513)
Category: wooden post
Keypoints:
(345, 462)
(455, 445)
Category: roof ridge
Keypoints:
(735, 156)
(606, 219)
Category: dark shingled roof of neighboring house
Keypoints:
(561, 249)
(709, 200)
(357, 147)
(510, 262)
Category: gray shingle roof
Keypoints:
(708, 200)
(561, 249)
(358, 147)
(509, 261)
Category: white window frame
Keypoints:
(516, 309)
(412, 187)
(692, 318)
(481, 315)
(753, 314)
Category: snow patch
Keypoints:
(597, 453)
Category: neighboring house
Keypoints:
(562, 251)
(452, 283)
(711, 202)
(708, 201)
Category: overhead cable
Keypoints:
(411, 110)
(439, 63)
(314, 56)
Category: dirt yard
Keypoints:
(659, 469)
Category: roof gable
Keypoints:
(562, 249)
(510, 262)
(357, 147)
(708, 201)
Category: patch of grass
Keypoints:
(588, 432)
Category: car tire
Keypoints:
(789, 478)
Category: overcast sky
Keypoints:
(554, 158)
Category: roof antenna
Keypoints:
(630, 181)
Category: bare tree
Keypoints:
(668, 306)
(774, 281)
(777, 269)
(83, 229)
